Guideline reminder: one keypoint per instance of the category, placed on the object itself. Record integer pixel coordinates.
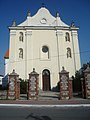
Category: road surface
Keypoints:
(54, 113)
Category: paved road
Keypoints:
(27, 113)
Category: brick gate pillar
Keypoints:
(65, 85)
(13, 86)
(86, 83)
(33, 87)
(82, 84)
(70, 88)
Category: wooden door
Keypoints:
(46, 80)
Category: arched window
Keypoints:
(20, 53)
(21, 36)
(69, 52)
(45, 52)
(67, 37)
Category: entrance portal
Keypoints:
(46, 80)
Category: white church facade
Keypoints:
(43, 42)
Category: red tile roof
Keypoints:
(6, 56)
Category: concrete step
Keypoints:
(48, 95)
(43, 95)
(23, 96)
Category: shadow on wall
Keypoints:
(37, 117)
(56, 88)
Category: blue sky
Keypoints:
(69, 10)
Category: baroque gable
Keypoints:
(43, 18)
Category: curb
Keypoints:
(46, 106)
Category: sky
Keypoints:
(69, 10)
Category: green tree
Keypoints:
(77, 79)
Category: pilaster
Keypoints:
(12, 49)
(28, 53)
(76, 52)
(59, 37)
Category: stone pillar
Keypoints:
(70, 88)
(13, 86)
(65, 85)
(33, 88)
(86, 83)
(82, 84)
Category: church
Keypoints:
(43, 42)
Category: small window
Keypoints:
(45, 52)
(67, 37)
(69, 53)
(45, 49)
(21, 36)
(20, 53)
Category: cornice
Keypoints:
(43, 28)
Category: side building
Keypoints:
(1, 77)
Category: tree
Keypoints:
(77, 82)
(77, 79)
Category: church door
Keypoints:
(46, 80)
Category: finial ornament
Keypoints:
(88, 67)
(14, 23)
(63, 68)
(72, 24)
(29, 14)
(57, 14)
(33, 69)
(43, 5)
(13, 70)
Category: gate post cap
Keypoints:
(13, 73)
(87, 69)
(33, 72)
(63, 70)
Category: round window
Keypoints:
(45, 49)
(43, 21)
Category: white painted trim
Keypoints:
(42, 28)
(46, 106)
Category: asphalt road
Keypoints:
(27, 113)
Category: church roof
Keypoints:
(43, 18)
(6, 56)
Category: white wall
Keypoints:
(6, 66)
(32, 53)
